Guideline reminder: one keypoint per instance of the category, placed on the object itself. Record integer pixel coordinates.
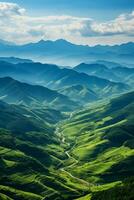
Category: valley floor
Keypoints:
(89, 156)
(69, 157)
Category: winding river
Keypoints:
(63, 141)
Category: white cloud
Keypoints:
(17, 26)
(7, 9)
(124, 24)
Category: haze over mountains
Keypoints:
(117, 74)
(12, 91)
(53, 77)
(66, 132)
(62, 52)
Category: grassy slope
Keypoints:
(53, 77)
(103, 144)
(29, 158)
(79, 93)
(15, 92)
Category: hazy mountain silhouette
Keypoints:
(64, 52)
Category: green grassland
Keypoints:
(30, 157)
(102, 143)
(89, 156)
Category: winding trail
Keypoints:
(63, 141)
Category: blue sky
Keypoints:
(79, 21)
(98, 9)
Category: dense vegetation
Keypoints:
(30, 155)
(102, 146)
(88, 156)
(117, 73)
(65, 134)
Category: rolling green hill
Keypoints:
(23, 118)
(56, 78)
(30, 155)
(98, 70)
(102, 150)
(15, 92)
(44, 155)
(117, 74)
(79, 93)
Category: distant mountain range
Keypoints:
(53, 77)
(66, 132)
(117, 73)
(66, 53)
(15, 60)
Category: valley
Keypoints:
(77, 156)
(67, 100)
(43, 151)
(66, 133)
(67, 152)
(114, 153)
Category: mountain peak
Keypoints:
(62, 40)
(58, 41)
(41, 40)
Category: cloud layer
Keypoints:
(7, 9)
(16, 25)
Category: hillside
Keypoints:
(98, 70)
(14, 121)
(53, 77)
(15, 92)
(30, 154)
(117, 74)
(102, 150)
(67, 100)
(79, 93)
(89, 153)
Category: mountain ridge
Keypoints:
(61, 50)
(15, 92)
(53, 77)
(117, 73)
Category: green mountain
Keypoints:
(43, 155)
(30, 156)
(101, 148)
(15, 121)
(53, 77)
(15, 92)
(62, 134)
(117, 74)
(25, 118)
(79, 93)
(98, 70)
(125, 74)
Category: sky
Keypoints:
(79, 21)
